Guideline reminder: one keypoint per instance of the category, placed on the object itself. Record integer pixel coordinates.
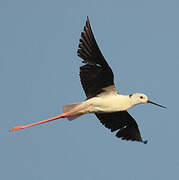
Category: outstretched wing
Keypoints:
(96, 74)
(122, 121)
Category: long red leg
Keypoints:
(63, 115)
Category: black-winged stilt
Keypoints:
(97, 80)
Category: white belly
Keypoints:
(107, 103)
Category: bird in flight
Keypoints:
(103, 100)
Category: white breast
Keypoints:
(108, 103)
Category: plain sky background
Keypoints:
(39, 74)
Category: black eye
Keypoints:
(141, 97)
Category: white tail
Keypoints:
(70, 107)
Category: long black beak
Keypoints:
(156, 104)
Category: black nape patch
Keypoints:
(130, 95)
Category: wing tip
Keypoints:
(131, 139)
(88, 23)
(87, 19)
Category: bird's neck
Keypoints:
(128, 101)
(133, 101)
(123, 102)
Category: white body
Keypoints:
(107, 103)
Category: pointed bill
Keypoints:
(156, 104)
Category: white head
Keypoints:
(139, 98)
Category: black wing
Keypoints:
(122, 121)
(96, 74)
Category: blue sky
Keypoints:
(39, 74)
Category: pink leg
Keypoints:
(63, 115)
